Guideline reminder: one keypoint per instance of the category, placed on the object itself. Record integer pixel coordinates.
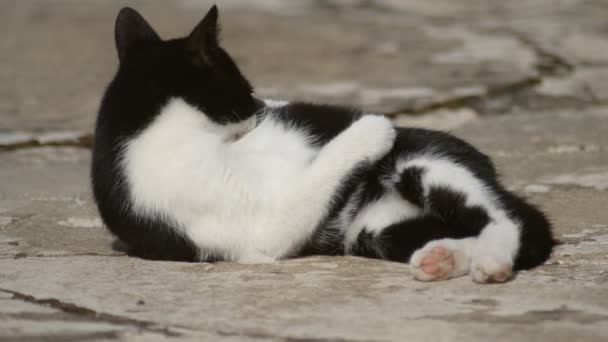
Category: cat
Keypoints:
(189, 165)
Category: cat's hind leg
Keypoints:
(452, 192)
(446, 201)
(451, 258)
(438, 243)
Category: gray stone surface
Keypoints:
(46, 206)
(444, 64)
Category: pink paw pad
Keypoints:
(437, 264)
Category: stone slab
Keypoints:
(327, 298)
(46, 207)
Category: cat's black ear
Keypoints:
(131, 27)
(205, 36)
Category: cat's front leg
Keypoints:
(366, 141)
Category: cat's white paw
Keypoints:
(491, 269)
(375, 136)
(440, 260)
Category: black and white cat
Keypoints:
(188, 165)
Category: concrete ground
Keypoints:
(525, 81)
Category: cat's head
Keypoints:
(194, 68)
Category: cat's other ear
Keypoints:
(131, 27)
(204, 38)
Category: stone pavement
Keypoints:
(526, 81)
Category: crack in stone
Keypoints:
(94, 316)
(44, 316)
(469, 101)
(549, 63)
(267, 336)
(561, 314)
(95, 336)
(84, 141)
(22, 255)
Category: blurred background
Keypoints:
(393, 56)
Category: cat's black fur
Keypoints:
(198, 70)
(155, 71)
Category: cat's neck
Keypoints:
(179, 120)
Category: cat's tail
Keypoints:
(536, 237)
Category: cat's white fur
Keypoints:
(281, 183)
(389, 209)
(276, 177)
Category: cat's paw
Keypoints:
(490, 269)
(439, 260)
(375, 136)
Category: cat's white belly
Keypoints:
(224, 196)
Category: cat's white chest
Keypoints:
(221, 193)
(275, 155)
